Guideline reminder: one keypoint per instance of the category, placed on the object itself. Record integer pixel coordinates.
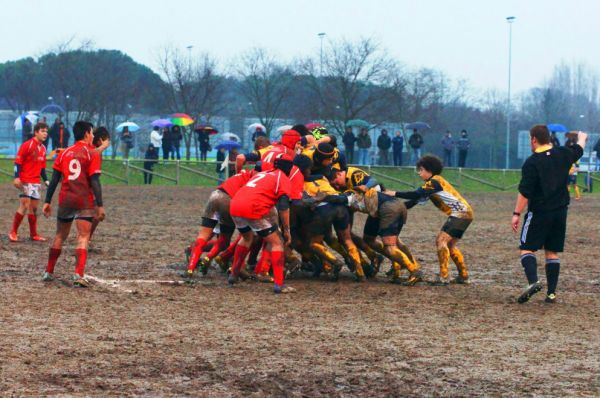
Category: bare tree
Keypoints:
(265, 82)
(193, 86)
(354, 80)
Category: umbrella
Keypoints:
(162, 123)
(132, 127)
(31, 116)
(181, 119)
(228, 137)
(313, 125)
(207, 129)
(417, 126)
(357, 123)
(52, 108)
(557, 128)
(228, 145)
(284, 128)
(252, 128)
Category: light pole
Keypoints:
(189, 48)
(510, 21)
(67, 98)
(321, 37)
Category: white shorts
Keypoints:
(31, 191)
(263, 226)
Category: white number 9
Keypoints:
(74, 169)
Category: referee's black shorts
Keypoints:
(544, 230)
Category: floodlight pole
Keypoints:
(321, 37)
(510, 21)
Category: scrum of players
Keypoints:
(292, 203)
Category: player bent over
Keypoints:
(460, 215)
(79, 168)
(253, 209)
(30, 164)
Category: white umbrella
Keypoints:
(131, 125)
(31, 116)
(284, 128)
(228, 137)
(252, 128)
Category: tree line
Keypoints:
(348, 80)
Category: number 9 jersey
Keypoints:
(77, 164)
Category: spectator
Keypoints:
(27, 129)
(156, 138)
(384, 143)
(597, 149)
(349, 139)
(416, 142)
(232, 157)
(204, 141)
(150, 159)
(220, 168)
(259, 132)
(554, 139)
(166, 143)
(59, 135)
(448, 145)
(463, 148)
(397, 147)
(364, 144)
(126, 142)
(175, 142)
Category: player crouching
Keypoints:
(79, 167)
(253, 209)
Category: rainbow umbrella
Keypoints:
(181, 119)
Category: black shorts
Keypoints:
(327, 215)
(456, 227)
(544, 230)
(573, 179)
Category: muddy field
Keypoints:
(142, 338)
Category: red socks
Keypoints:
(196, 252)
(278, 262)
(52, 258)
(263, 264)
(227, 253)
(81, 255)
(17, 221)
(216, 248)
(32, 218)
(238, 259)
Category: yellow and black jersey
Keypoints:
(312, 188)
(356, 177)
(574, 169)
(257, 154)
(443, 195)
(338, 159)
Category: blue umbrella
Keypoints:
(417, 126)
(557, 128)
(52, 108)
(228, 145)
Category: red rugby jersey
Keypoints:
(235, 182)
(268, 157)
(255, 199)
(32, 159)
(77, 164)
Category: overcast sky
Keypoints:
(464, 38)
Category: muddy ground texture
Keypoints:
(129, 335)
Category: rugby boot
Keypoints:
(529, 292)
(264, 277)
(232, 279)
(376, 263)
(204, 265)
(551, 298)
(47, 277)
(187, 275)
(223, 265)
(414, 278)
(188, 253)
(283, 289)
(12, 236)
(462, 281)
(78, 281)
(337, 268)
(441, 281)
(38, 238)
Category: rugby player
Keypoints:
(79, 168)
(30, 164)
(253, 209)
(101, 142)
(460, 215)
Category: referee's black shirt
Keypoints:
(544, 177)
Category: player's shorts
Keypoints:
(573, 179)
(262, 226)
(68, 214)
(545, 230)
(325, 216)
(456, 227)
(391, 218)
(31, 191)
(217, 211)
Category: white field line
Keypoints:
(116, 283)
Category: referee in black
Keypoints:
(543, 189)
